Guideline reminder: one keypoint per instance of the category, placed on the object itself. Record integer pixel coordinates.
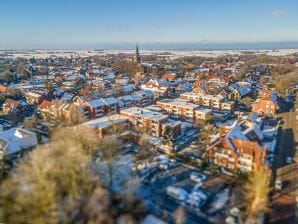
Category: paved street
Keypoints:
(286, 140)
(283, 202)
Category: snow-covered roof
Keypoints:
(149, 219)
(109, 100)
(33, 94)
(146, 93)
(105, 122)
(145, 113)
(66, 96)
(96, 103)
(120, 103)
(203, 110)
(203, 96)
(248, 130)
(16, 139)
(274, 98)
(179, 103)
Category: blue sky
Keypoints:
(58, 23)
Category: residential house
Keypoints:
(203, 114)
(130, 100)
(3, 89)
(147, 97)
(14, 141)
(170, 76)
(44, 108)
(94, 106)
(159, 91)
(239, 90)
(268, 104)
(32, 97)
(11, 105)
(110, 105)
(240, 148)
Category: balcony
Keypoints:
(218, 154)
(244, 168)
(245, 160)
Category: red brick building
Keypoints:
(240, 147)
(11, 105)
(237, 154)
(268, 104)
(149, 121)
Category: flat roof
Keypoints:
(105, 122)
(179, 102)
(203, 96)
(142, 112)
(203, 110)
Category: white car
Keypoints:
(278, 184)
(197, 177)
(235, 211)
(193, 202)
(199, 194)
(289, 160)
(177, 193)
(163, 166)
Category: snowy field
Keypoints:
(170, 53)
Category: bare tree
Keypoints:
(257, 194)
(115, 128)
(109, 152)
(30, 122)
(75, 114)
(54, 184)
(179, 216)
(144, 152)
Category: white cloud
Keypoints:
(278, 13)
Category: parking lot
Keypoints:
(156, 181)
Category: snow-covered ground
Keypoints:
(122, 174)
(172, 54)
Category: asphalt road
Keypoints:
(283, 202)
(286, 139)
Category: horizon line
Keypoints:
(158, 45)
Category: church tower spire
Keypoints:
(137, 57)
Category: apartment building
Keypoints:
(110, 105)
(147, 97)
(268, 104)
(241, 147)
(182, 108)
(203, 114)
(216, 102)
(158, 91)
(147, 120)
(98, 107)
(107, 125)
(11, 105)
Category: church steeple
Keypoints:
(137, 57)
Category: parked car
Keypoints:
(278, 184)
(199, 194)
(197, 177)
(235, 211)
(177, 193)
(163, 166)
(193, 202)
(231, 220)
(196, 198)
(289, 160)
